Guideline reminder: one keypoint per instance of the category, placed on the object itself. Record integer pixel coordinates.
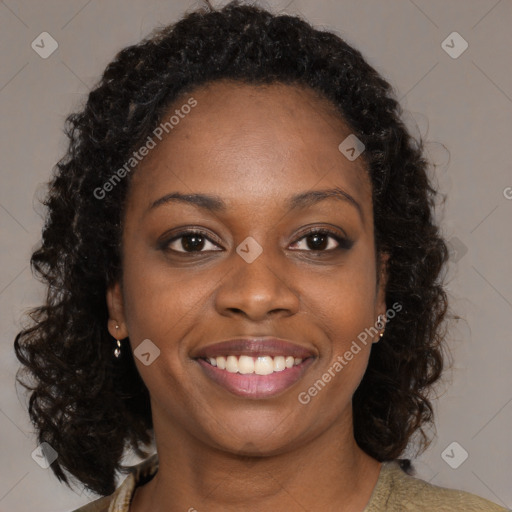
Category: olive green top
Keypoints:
(395, 491)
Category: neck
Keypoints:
(329, 473)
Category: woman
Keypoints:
(243, 267)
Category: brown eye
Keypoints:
(191, 241)
(322, 240)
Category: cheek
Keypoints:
(344, 307)
(164, 306)
(342, 310)
(160, 302)
(345, 299)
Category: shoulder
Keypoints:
(100, 505)
(396, 490)
(121, 498)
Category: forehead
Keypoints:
(253, 144)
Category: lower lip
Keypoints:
(256, 386)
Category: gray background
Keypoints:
(463, 103)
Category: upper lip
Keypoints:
(255, 347)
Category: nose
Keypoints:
(256, 290)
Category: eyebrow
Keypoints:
(215, 203)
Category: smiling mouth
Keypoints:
(247, 365)
(263, 381)
(256, 367)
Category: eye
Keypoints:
(322, 240)
(191, 241)
(315, 240)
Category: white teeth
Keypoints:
(279, 364)
(262, 365)
(245, 364)
(232, 364)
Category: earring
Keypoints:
(117, 350)
(382, 326)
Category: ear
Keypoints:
(116, 317)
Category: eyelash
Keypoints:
(343, 243)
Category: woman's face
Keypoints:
(253, 272)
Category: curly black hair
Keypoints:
(91, 407)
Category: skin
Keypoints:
(254, 147)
